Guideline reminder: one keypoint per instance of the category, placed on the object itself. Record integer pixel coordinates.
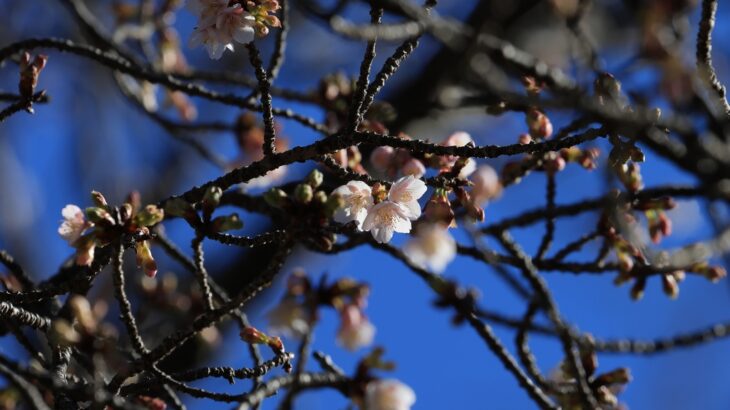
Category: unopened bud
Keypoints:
(669, 286)
(303, 193)
(315, 178)
(211, 200)
(99, 216)
(149, 216)
(145, 259)
(227, 223)
(275, 197)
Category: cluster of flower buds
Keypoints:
(309, 205)
(659, 223)
(132, 220)
(624, 158)
(396, 161)
(605, 386)
(211, 200)
(378, 210)
(294, 315)
(30, 70)
(223, 22)
(584, 157)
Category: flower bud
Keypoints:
(637, 291)
(524, 139)
(382, 157)
(315, 178)
(303, 193)
(438, 209)
(413, 167)
(99, 216)
(227, 223)
(334, 202)
(145, 259)
(276, 198)
(539, 124)
(669, 286)
(149, 216)
(211, 200)
(125, 212)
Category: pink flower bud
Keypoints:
(413, 167)
(355, 329)
(382, 157)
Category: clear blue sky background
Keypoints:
(89, 138)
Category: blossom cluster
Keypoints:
(222, 22)
(297, 312)
(378, 212)
(110, 224)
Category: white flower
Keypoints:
(288, 319)
(270, 178)
(385, 218)
(432, 247)
(74, 223)
(355, 331)
(406, 192)
(388, 394)
(358, 200)
(220, 25)
(486, 184)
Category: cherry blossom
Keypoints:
(74, 223)
(358, 199)
(219, 25)
(388, 394)
(355, 331)
(432, 247)
(406, 192)
(387, 217)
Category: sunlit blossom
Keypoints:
(406, 191)
(74, 223)
(358, 199)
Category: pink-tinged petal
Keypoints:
(71, 211)
(407, 189)
(413, 209)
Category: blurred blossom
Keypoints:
(355, 331)
(388, 394)
(431, 247)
